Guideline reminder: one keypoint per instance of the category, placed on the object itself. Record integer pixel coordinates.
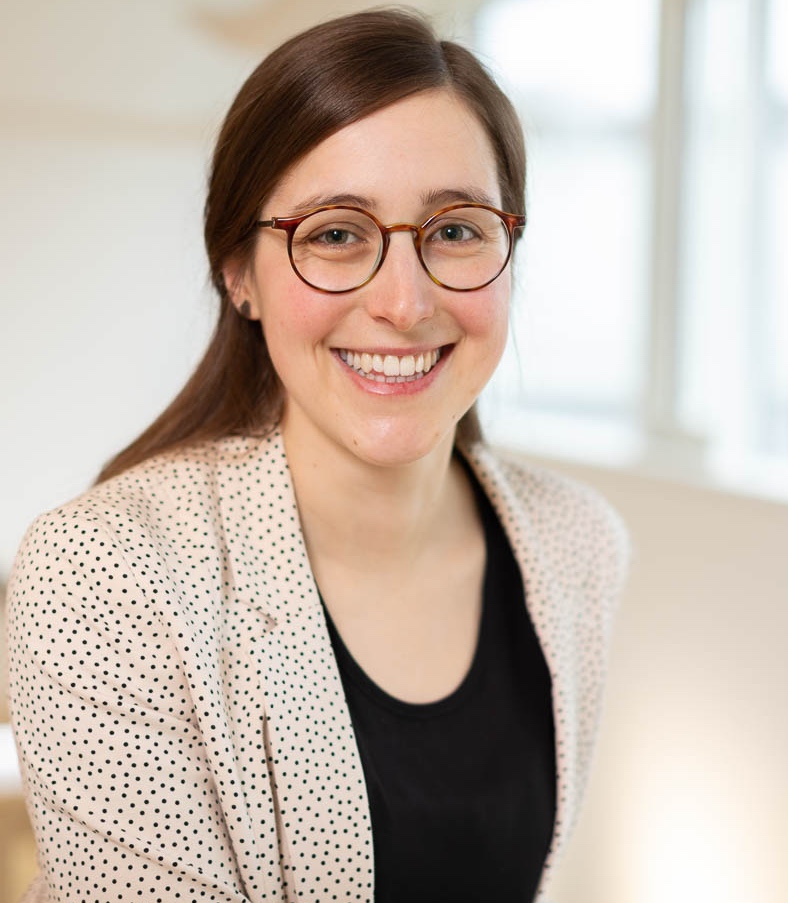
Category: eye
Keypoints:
(335, 232)
(454, 232)
(334, 235)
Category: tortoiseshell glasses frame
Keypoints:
(491, 267)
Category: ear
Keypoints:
(239, 287)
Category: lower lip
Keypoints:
(411, 387)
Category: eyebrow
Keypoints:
(430, 199)
(451, 195)
(329, 200)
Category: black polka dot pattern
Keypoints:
(179, 714)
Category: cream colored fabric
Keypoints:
(178, 710)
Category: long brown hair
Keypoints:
(313, 85)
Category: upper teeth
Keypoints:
(391, 364)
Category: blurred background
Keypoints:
(649, 352)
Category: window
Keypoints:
(650, 316)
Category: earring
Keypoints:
(245, 310)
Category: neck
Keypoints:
(382, 515)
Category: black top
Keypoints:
(462, 790)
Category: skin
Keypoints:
(389, 519)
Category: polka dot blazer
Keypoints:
(180, 719)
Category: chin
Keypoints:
(394, 447)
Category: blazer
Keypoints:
(179, 715)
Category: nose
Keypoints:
(402, 292)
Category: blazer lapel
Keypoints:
(549, 606)
(302, 762)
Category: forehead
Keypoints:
(396, 160)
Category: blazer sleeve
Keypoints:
(121, 796)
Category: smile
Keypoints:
(389, 368)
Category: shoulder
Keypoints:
(178, 483)
(541, 492)
(139, 529)
(179, 479)
(564, 516)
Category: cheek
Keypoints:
(487, 326)
(292, 314)
(486, 317)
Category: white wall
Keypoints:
(107, 114)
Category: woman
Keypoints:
(308, 637)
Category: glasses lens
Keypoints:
(465, 248)
(336, 250)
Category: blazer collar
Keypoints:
(519, 504)
(266, 551)
(313, 773)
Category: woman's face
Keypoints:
(402, 164)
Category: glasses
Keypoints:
(337, 249)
